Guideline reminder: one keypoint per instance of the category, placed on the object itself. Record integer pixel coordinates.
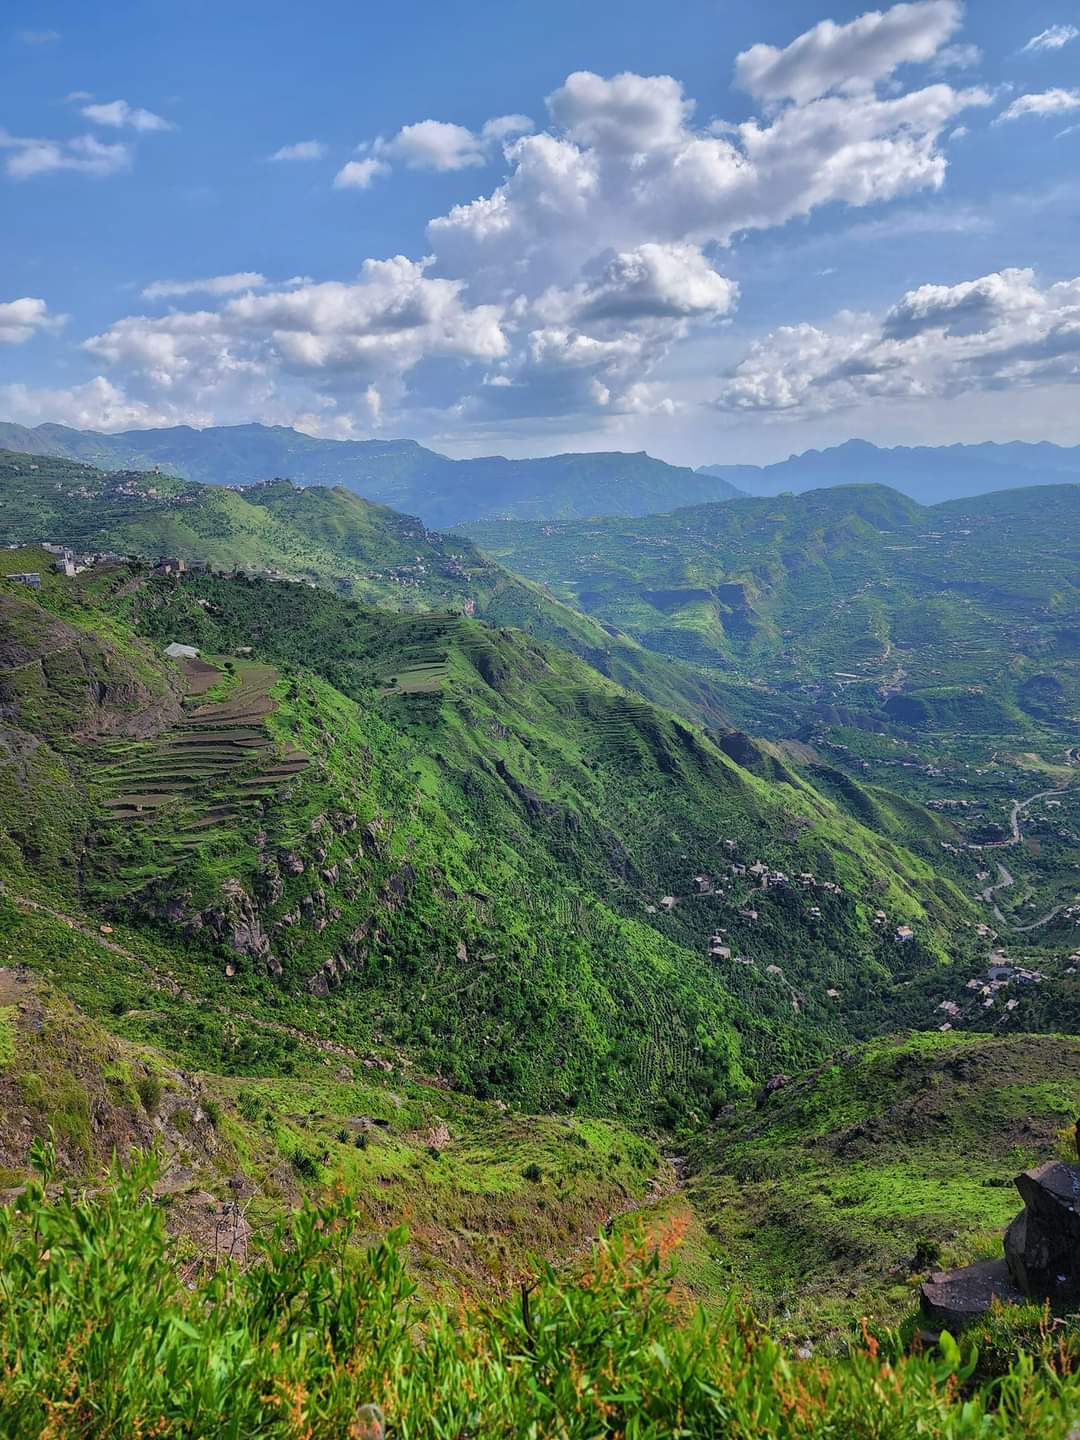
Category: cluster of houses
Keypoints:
(985, 990)
(71, 562)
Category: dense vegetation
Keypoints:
(378, 914)
(397, 472)
(324, 1339)
(472, 830)
(881, 604)
(324, 536)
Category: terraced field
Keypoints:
(219, 762)
(420, 654)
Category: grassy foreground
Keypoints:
(101, 1335)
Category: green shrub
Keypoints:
(149, 1090)
(99, 1336)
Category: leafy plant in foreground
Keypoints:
(100, 1336)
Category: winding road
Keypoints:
(1006, 877)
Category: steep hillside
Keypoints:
(269, 1121)
(932, 651)
(401, 473)
(448, 836)
(324, 535)
(927, 473)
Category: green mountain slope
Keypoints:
(423, 829)
(934, 651)
(397, 472)
(326, 536)
(855, 595)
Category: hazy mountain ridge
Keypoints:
(401, 473)
(927, 473)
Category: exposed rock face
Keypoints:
(290, 862)
(241, 921)
(774, 1083)
(1042, 1245)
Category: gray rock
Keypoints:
(1042, 1245)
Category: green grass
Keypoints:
(816, 1198)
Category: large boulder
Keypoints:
(1042, 1245)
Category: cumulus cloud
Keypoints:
(1047, 102)
(96, 405)
(211, 285)
(430, 145)
(359, 174)
(21, 319)
(84, 154)
(653, 282)
(1000, 330)
(119, 115)
(856, 55)
(624, 164)
(1055, 37)
(565, 287)
(335, 341)
(301, 150)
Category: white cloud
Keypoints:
(21, 319)
(653, 282)
(84, 154)
(503, 126)
(957, 57)
(1002, 330)
(831, 57)
(1047, 102)
(435, 145)
(96, 405)
(358, 174)
(566, 288)
(118, 114)
(629, 170)
(211, 285)
(301, 150)
(292, 350)
(630, 113)
(39, 37)
(1055, 37)
(431, 145)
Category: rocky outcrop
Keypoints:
(1042, 1245)
(349, 957)
(1041, 1261)
(239, 923)
(291, 863)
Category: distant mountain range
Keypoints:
(928, 473)
(401, 473)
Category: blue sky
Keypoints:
(719, 231)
